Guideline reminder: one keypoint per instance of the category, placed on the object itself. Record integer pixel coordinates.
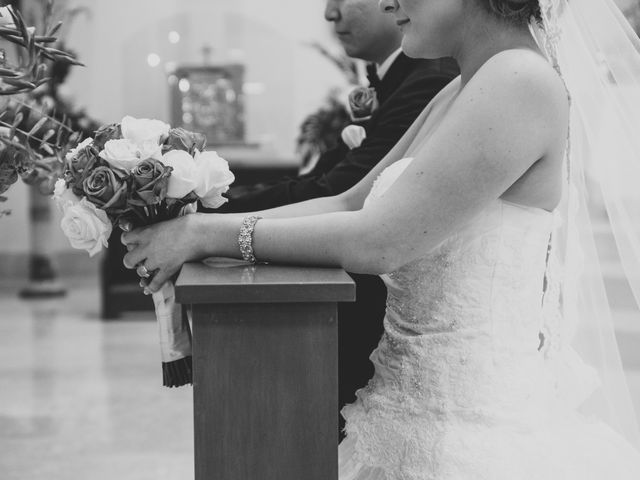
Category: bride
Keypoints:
(461, 220)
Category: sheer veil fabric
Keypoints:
(597, 54)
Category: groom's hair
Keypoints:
(518, 12)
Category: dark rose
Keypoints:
(79, 166)
(106, 188)
(362, 103)
(181, 139)
(106, 133)
(150, 182)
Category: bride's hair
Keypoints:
(519, 12)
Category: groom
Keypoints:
(403, 87)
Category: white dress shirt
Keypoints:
(384, 67)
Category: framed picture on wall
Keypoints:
(208, 99)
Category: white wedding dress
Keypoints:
(462, 389)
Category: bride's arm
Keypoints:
(506, 118)
(166, 246)
(346, 201)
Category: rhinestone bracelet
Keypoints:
(245, 238)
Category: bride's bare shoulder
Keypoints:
(524, 89)
(523, 73)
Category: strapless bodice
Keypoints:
(461, 341)
(488, 270)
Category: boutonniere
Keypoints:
(363, 101)
(353, 136)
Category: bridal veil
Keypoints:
(598, 55)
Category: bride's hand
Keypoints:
(158, 251)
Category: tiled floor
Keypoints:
(81, 399)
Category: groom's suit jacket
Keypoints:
(405, 90)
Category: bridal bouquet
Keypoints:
(141, 172)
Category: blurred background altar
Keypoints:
(243, 71)
(80, 397)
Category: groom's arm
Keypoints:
(341, 168)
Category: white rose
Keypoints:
(87, 227)
(125, 154)
(214, 178)
(63, 196)
(121, 153)
(353, 136)
(184, 177)
(74, 151)
(141, 130)
(59, 188)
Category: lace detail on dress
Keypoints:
(461, 389)
(386, 178)
(573, 380)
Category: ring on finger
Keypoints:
(143, 272)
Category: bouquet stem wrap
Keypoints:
(175, 338)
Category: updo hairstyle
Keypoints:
(517, 12)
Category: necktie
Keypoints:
(372, 75)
